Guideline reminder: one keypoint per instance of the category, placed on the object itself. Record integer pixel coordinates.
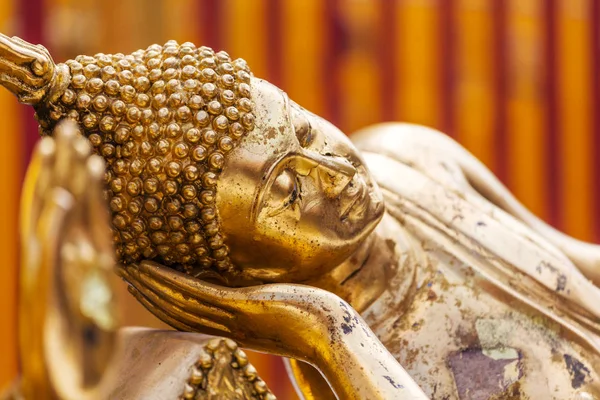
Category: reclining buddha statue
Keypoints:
(392, 266)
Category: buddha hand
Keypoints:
(289, 320)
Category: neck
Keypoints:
(371, 270)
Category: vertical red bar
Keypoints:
(387, 57)
(500, 89)
(447, 31)
(330, 61)
(274, 41)
(32, 17)
(210, 23)
(11, 176)
(552, 115)
(595, 112)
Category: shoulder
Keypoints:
(402, 135)
(400, 149)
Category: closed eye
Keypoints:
(293, 196)
(285, 192)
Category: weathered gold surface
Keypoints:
(462, 293)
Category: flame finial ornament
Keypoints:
(29, 72)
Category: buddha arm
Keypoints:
(358, 366)
(294, 321)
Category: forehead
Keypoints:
(248, 164)
(273, 136)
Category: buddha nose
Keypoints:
(335, 172)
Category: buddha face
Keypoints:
(294, 196)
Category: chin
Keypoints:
(364, 224)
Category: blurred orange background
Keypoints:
(515, 81)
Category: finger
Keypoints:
(158, 313)
(181, 314)
(196, 323)
(57, 204)
(121, 271)
(37, 182)
(166, 303)
(64, 135)
(49, 230)
(81, 150)
(209, 292)
(192, 304)
(97, 210)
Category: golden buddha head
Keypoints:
(294, 196)
(209, 170)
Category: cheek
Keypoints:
(279, 226)
(323, 214)
(305, 244)
(296, 231)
